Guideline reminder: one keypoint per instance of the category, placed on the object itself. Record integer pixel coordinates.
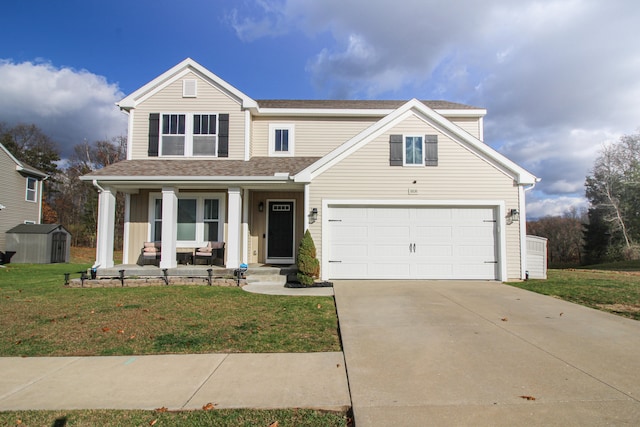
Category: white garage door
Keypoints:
(367, 242)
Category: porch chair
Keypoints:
(213, 253)
(151, 253)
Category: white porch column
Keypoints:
(169, 227)
(245, 226)
(234, 220)
(127, 221)
(106, 224)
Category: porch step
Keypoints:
(269, 275)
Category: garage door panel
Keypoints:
(427, 253)
(436, 215)
(393, 232)
(389, 214)
(348, 250)
(385, 251)
(412, 242)
(349, 234)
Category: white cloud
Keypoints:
(68, 105)
(559, 78)
(553, 206)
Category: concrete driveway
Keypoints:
(483, 353)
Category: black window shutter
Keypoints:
(395, 150)
(154, 134)
(431, 150)
(223, 135)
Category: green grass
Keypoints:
(223, 417)
(40, 317)
(605, 287)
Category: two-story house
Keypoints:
(20, 193)
(388, 189)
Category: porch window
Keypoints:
(200, 219)
(211, 220)
(157, 221)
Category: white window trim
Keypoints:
(272, 139)
(200, 197)
(188, 135)
(30, 191)
(404, 150)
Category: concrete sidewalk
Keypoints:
(261, 381)
(484, 354)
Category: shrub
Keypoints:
(308, 265)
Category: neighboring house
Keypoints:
(20, 193)
(388, 189)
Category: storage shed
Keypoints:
(38, 244)
(536, 257)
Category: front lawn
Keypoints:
(222, 417)
(602, 287)
(40, 317)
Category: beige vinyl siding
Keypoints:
(460, 175)
(469, 124)
(210, 99)
(138, 224)
(13, 196)
(313, 136)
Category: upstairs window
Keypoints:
(32, 189)
(413, 150)
(281, 139)
(204, 134)
(173, 134)
(189, 135)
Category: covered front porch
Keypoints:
(258, 225)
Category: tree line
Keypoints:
(610, 229)
(66, 199)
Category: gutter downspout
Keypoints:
(523, 228)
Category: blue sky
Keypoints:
(559, 78)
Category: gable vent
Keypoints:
(189, 88)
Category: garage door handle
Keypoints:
(414, 248)
(334, 261)
(491, 262)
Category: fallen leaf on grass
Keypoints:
(274, 424)
(209, 406)
(105, 329)
(319, 306)
(153, 422)
(527, 397)
(163, 409)
(121, 331)
(92, 311)
(146, 310)
(132, 337)
(119, 304)
(18, 421)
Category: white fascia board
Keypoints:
(314, 112)
(182, 178)
(414, 107)
(168, 77)
(476, 112)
